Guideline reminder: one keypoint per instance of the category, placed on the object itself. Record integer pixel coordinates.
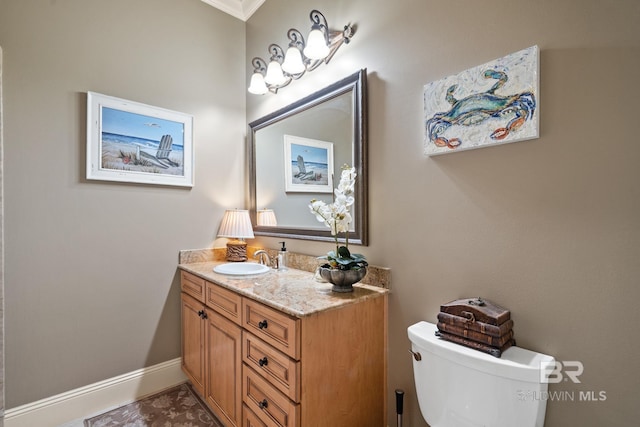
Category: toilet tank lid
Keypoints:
(515, 363)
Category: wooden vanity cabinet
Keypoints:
(192, 299)
(266, 368)
(212, 345)
(193, 341)
(223, 388)
(223, 381)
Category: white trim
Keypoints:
(2, 379)
(96, 398)
(241, 9)
(250, 6)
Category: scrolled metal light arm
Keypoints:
(300, 62)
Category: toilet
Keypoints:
(457, 386)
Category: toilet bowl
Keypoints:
(457, 386)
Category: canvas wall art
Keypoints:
(494, 103)
(132, 142)
(308, 165)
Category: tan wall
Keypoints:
(90, 276)
(549, 228)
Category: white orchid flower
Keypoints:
(337, 215)
(347, 181)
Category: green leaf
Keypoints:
(344, 261)
(358, 257)
(343, 252)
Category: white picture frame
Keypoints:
(137, 143)
(308, 165)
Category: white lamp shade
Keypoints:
(274, 74)
(293, 61)
(266, 217)
(316, 45)
(236, 224)
(258, 86)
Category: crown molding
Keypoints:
(241, 9)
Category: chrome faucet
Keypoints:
(261, 255)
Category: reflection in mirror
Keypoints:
(267, 218)
(296, 154)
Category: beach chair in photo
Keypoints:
(165, 147)
(162, 154)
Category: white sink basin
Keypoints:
(241, 268)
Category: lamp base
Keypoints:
(236, 251)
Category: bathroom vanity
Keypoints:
(281, 349)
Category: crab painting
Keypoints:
(480, 107)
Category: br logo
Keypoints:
(557, 371)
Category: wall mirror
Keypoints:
(296, 154)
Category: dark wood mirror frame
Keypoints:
(357, 84)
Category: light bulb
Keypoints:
(257, 86)
(316, 46)
(274, 74)
(293, 61)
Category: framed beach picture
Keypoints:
(308, 165)
(132, 142)
(494, 103)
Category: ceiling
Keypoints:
(241, 9)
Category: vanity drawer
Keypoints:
(249, 419)
(272, 326)
(281, 371)
(192, 285)
(266, 402)
(225, 302)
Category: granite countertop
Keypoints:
(295, 292)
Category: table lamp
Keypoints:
(236, 225)
(266, 217)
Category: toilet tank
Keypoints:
(460, 387)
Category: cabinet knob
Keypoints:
(263, 361)
(202, 314)
(263, 404)
(263, 324)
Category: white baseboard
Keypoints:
(96, 398)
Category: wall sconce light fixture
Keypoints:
(300, 57)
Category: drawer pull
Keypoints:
(263, 361)
(263, 324)
(263, 404)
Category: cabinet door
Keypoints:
(223, 368)
(193, 341)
